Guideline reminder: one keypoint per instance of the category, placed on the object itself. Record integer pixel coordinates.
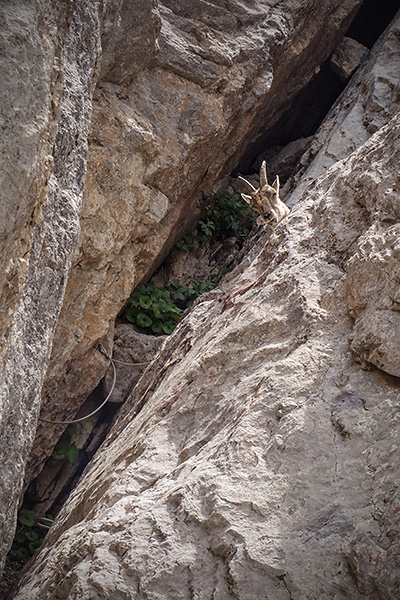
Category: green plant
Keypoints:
(65, 448)
(185, 243)
(29, 535)
(185, 296)
(152, 309)
(158, 309)
(227, 215)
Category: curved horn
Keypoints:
(251, 186)
(263, 174)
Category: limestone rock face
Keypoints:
(347, 57)
(255, 458)
(133, 351)
(367, 104)
(48, 60)
(198, 85)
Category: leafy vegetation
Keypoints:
(227, 215)
(185, 243)
(29, 536)
(158, 309)
(65, 448)
(152, 309)
(185, 296)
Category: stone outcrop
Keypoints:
(132, 352)
(347, 58)
(255, 458)
(48, 67)
(258, 445)
(201, 83)
(366, 105)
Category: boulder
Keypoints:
(132, 352)
(347, 57)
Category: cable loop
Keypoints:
(104, 352)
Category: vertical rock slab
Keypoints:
(367, 104)
(255, 458)
(168, 119)
(50, 51)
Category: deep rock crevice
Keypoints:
(216, 351)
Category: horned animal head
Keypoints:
(266, 199)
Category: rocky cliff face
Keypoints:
(256, 459)
(257, 456)
(168, 119)
(48, 61)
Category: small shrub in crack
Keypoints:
(226, 215)
(65, 448)
(157, 310)
(29, 535)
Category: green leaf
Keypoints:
(158, 310)
(131, 314)
(33, 546)
(158, 294)
(145, 289)
(32, 536)
(168, 327)
(72, 453)
(143, 320)
(157, 327)
(26, 517)
(60, 450)
(145, 302)
(134, 298)
(174, 311)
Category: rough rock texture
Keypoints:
(283, 160)
(167, 121)
(367, 104)
(263, 461)
(347, 57)
(132, 352)
(49, 54)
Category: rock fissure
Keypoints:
(295, 325)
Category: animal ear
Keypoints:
(247, 198)
(275, 185)
(263, 174)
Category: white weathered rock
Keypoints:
(167, 121)
(368, 103)
(49, 55)
(347, 57)
(255, 459)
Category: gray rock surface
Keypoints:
(132, 352)
(255, 458)
(347, 57)
(367, 104)
(168, 120)
(49, 62)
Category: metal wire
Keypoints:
(122, 362)
(97, 409)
